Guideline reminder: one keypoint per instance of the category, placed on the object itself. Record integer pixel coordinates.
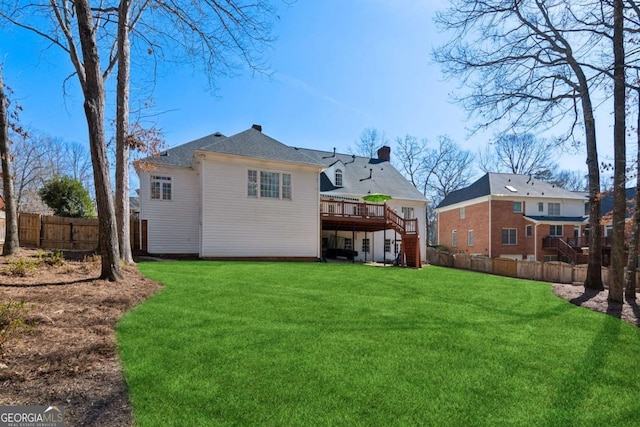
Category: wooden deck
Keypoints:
(370, 217)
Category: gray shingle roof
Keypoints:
(182, 155)
(249, 143)
(511, 185)
(357, 179)
(384, 179)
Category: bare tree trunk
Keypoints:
(94, 100)
(632, 260)
(620, 160)
(11, 243)
(122, 131)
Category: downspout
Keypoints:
(535, 241)
(490, 223)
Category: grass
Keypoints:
(328, 344)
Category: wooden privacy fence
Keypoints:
(554, 271)
(55, 232)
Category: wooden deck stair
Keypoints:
(357, 216)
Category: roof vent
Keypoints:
(217, 134)
(257, 127)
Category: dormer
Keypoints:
(336, 173)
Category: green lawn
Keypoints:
(293, 344)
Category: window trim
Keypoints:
(366, 245)
(509, 242)
(338, 177)
(470, 237)
(519, 210)
(528, 230)
(261, 183)
(454, 238)
(551, 212)
(165, 186)
(554, 233)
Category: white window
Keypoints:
(286, 186)
(160, 187)
(348, 244)
(470, 238)
(540, 207)
(528, 230)
(365, 245)
(509, 236)
(553, 209)
(462, 212)
(269, 185)
(555, 230)
(252, 183)
(517, 207)
(454, 238)
(338, 177)
(407, 212)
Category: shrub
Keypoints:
(53, 259)
(67, 197)
(12, 322)
(22, 267)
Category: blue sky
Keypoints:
(339, 66)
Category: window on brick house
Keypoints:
(454, 238)
(509, 236)
(555, 230)
(528, 231)
(470, 238)
(462, 213)
(517, 207)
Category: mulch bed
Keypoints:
(597, 301)
(69, 357)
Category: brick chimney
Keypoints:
(257, 127)
(384, 153)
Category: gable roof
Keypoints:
(249, 143)
(362, 175)
(508, 184)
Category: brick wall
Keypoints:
(476, 218)
(503, 217)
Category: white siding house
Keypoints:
(250, 196)
(174, 220)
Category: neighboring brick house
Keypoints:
(511, 216)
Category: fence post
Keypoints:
(71, 234)
(39, 232)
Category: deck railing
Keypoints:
(346, 209)
(574, 242)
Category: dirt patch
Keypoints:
(597, 301)
(69, 358)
